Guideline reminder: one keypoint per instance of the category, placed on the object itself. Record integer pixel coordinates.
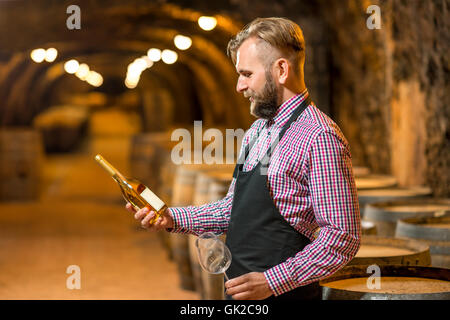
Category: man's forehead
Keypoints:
(246, 53)
(238, 54)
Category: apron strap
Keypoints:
(244, 155)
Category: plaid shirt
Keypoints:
(311, 183)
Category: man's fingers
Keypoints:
(242, 296)
(158, 222)
(140, 214)
(241, 291)
(130, 208)
(236, 281)
(238, 289)
(147, 217)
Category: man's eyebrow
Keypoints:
(243, 71)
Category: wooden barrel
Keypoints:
(386, 214)
(195, 266)
(208, 286)
(435, 232)
(184, 182)
(389, 194)
(368, 228)
(359, 171)
(395, 283)
(21, 160)
(382, 251)
(147, 156)
(149, 153)
(62, 127)
(374, 181)
(182, 195)
(202, 183)
(167, 178)
(213, 284)
(220, 184)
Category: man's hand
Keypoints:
(250, 286)
(145, 216)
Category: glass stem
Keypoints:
(225, 275)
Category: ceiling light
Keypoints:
(182, 42)
(38, 55)
(71, 66)
(169, 56)
(51, 54)
(83, 71)
(94, 78)
(207, 23)
(130, 84)
(154, 54)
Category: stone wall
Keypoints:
(390, 87)
(421, 64)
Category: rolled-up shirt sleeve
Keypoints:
(333, 198)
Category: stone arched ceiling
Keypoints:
(112, 35)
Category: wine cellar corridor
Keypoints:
(80, 219)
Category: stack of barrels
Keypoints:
(181, 185)
(150, 162)
(62, 127)
(433, 231)
(193, 185)
(407, 254)
(210, 186)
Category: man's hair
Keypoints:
(280, 33)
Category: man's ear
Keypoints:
(282, 70)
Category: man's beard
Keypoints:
(265, 106)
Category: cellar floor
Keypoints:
(80, 220)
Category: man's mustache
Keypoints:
(247, 94)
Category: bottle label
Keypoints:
(152, 199)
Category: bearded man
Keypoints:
(294, 177)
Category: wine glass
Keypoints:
(213, 255)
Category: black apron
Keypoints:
(258, 236)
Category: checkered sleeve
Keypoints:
(211, 217)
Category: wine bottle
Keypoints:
(134, 191)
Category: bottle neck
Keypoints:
(108, 167)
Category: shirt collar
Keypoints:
(286, 109)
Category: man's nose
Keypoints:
(241, 85)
